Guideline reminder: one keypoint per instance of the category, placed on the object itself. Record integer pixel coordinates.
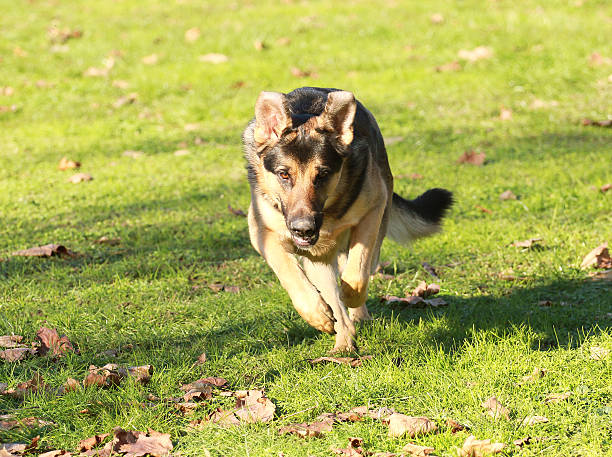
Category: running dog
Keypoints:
(322, 202)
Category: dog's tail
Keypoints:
(411, 219)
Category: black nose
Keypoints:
(304, 227)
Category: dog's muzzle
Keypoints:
(304, 231)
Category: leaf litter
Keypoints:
(598, 257)
(473, 158)
(418, 298)
(48, 250)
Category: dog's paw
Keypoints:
(344, 344)
(360, 314)
(321, 317)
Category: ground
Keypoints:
(546, 66)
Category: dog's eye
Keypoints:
(284, 175)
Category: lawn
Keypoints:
(92, 80)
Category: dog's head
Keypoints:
(302, 157)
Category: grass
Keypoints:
(171, 215)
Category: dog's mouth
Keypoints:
(304, 243)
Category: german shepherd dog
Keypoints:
(322, 201)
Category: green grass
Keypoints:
(171, 215)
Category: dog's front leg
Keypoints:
(356, 273)
(324, 276)
(304, 296)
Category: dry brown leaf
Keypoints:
(605, 275)
(537, 373)
(150, 59)
(303, 430)
(61, 35)
(400, 424)
(141, 374)
(353, 449)
(259, 45)
(298, 73)
(283, 41)
(436, 18)
(47, 250)
(531, 242)
(556, 398)
(66, 164)
(155, 445)
(182, 152)
(120, 84)
(495, 409)
(55, 453)
(533, 420)
(10, 341)
(70, 385)
(417, 451)
(597, 59)
(200, 383)
(50, 341)
(448, 67)
(352, 361)
(16, 354)
(22, 389)
(80, 177)
(456, 426)
(236, 212)
(91, 442)
(472, 157)
(505, 114)
(599, 353)
(7, 91)
(125, 100)
(483, 209)
(605, 188)
(133, 154)
(252, 406)
(9, 422)
(591, 122)
(479, 53)
(192, 34)
(214, 58)
(106, 240)
(507, 195)
(479, 448)
(224, 418)
(598, 257)
(424, 290)
(201, 359)
(7, 109)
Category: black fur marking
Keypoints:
(430, 206)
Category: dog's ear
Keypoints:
(272, 118)
(338, 115)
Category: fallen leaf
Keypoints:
(7, 91)
(591, 122)
(141, 374)
(531, 242)
(57, 35)
(353, 449)
(125, 100)
(400, 424)
(352, 361)
(605, 188)
(283, 41)
(35, 384)
(495, 409)
(150, 59)
(417, 451)
(303, 430)
(298, 73)
(106, 240)
(605, 275)
(9, 422)
(259, 45)
(448, 67)
(456, 426)
(505, 114)
(472, 157)
(155, 445)
(537, 373)
(424, 290)
(213, 58)
(483, 209)
(252, 406)
(55, 453)
(192, 34)
(201, 359)
(533, 420)
(556, 398)
(10, 341)
(598, 257)
(19, 52)
(133, 154)
(598, 352)
(479, 448)
(597, 59)
(47, 250)
(66, 164)
(182, 152)
(92, 442)
(16, 354)
(120, 84)
(507, 195)
(436, 18)
(50, 341)
(479, 53)
(236, 212)
(80, 177)
(70, 385)
(224, 418)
